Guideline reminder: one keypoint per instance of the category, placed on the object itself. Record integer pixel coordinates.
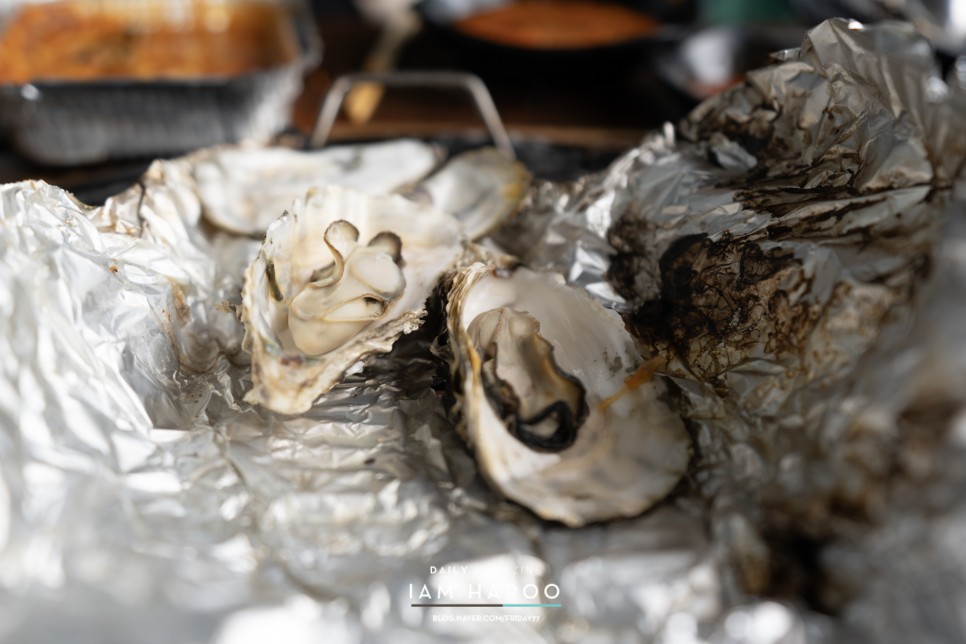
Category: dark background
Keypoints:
(566, 114)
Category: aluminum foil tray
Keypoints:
(69, 123)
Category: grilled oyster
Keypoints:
(245, 188)
(481, 188)
(554, 400)
(340, 276)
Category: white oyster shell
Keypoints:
(245, 188)
(631, 448)
(286, 379)
(481, 188)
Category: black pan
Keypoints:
(442, 15)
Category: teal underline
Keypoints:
(532, 605)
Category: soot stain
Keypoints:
(720, 298)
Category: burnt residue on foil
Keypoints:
(723, 293)
(779, 301)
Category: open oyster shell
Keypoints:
(481, 188)
(339, 276)
(554, 399)
(245, 188)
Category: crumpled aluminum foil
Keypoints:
(141, 500)
(796, 257)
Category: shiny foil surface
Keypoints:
(794, 251)
(793, 254)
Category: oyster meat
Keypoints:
(554, 398)
(340, 276)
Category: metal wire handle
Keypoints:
(460, 80)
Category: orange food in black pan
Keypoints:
(558, 25)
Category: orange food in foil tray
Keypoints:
(83, 40)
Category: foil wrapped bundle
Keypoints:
(792, 258)
(793, 253)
